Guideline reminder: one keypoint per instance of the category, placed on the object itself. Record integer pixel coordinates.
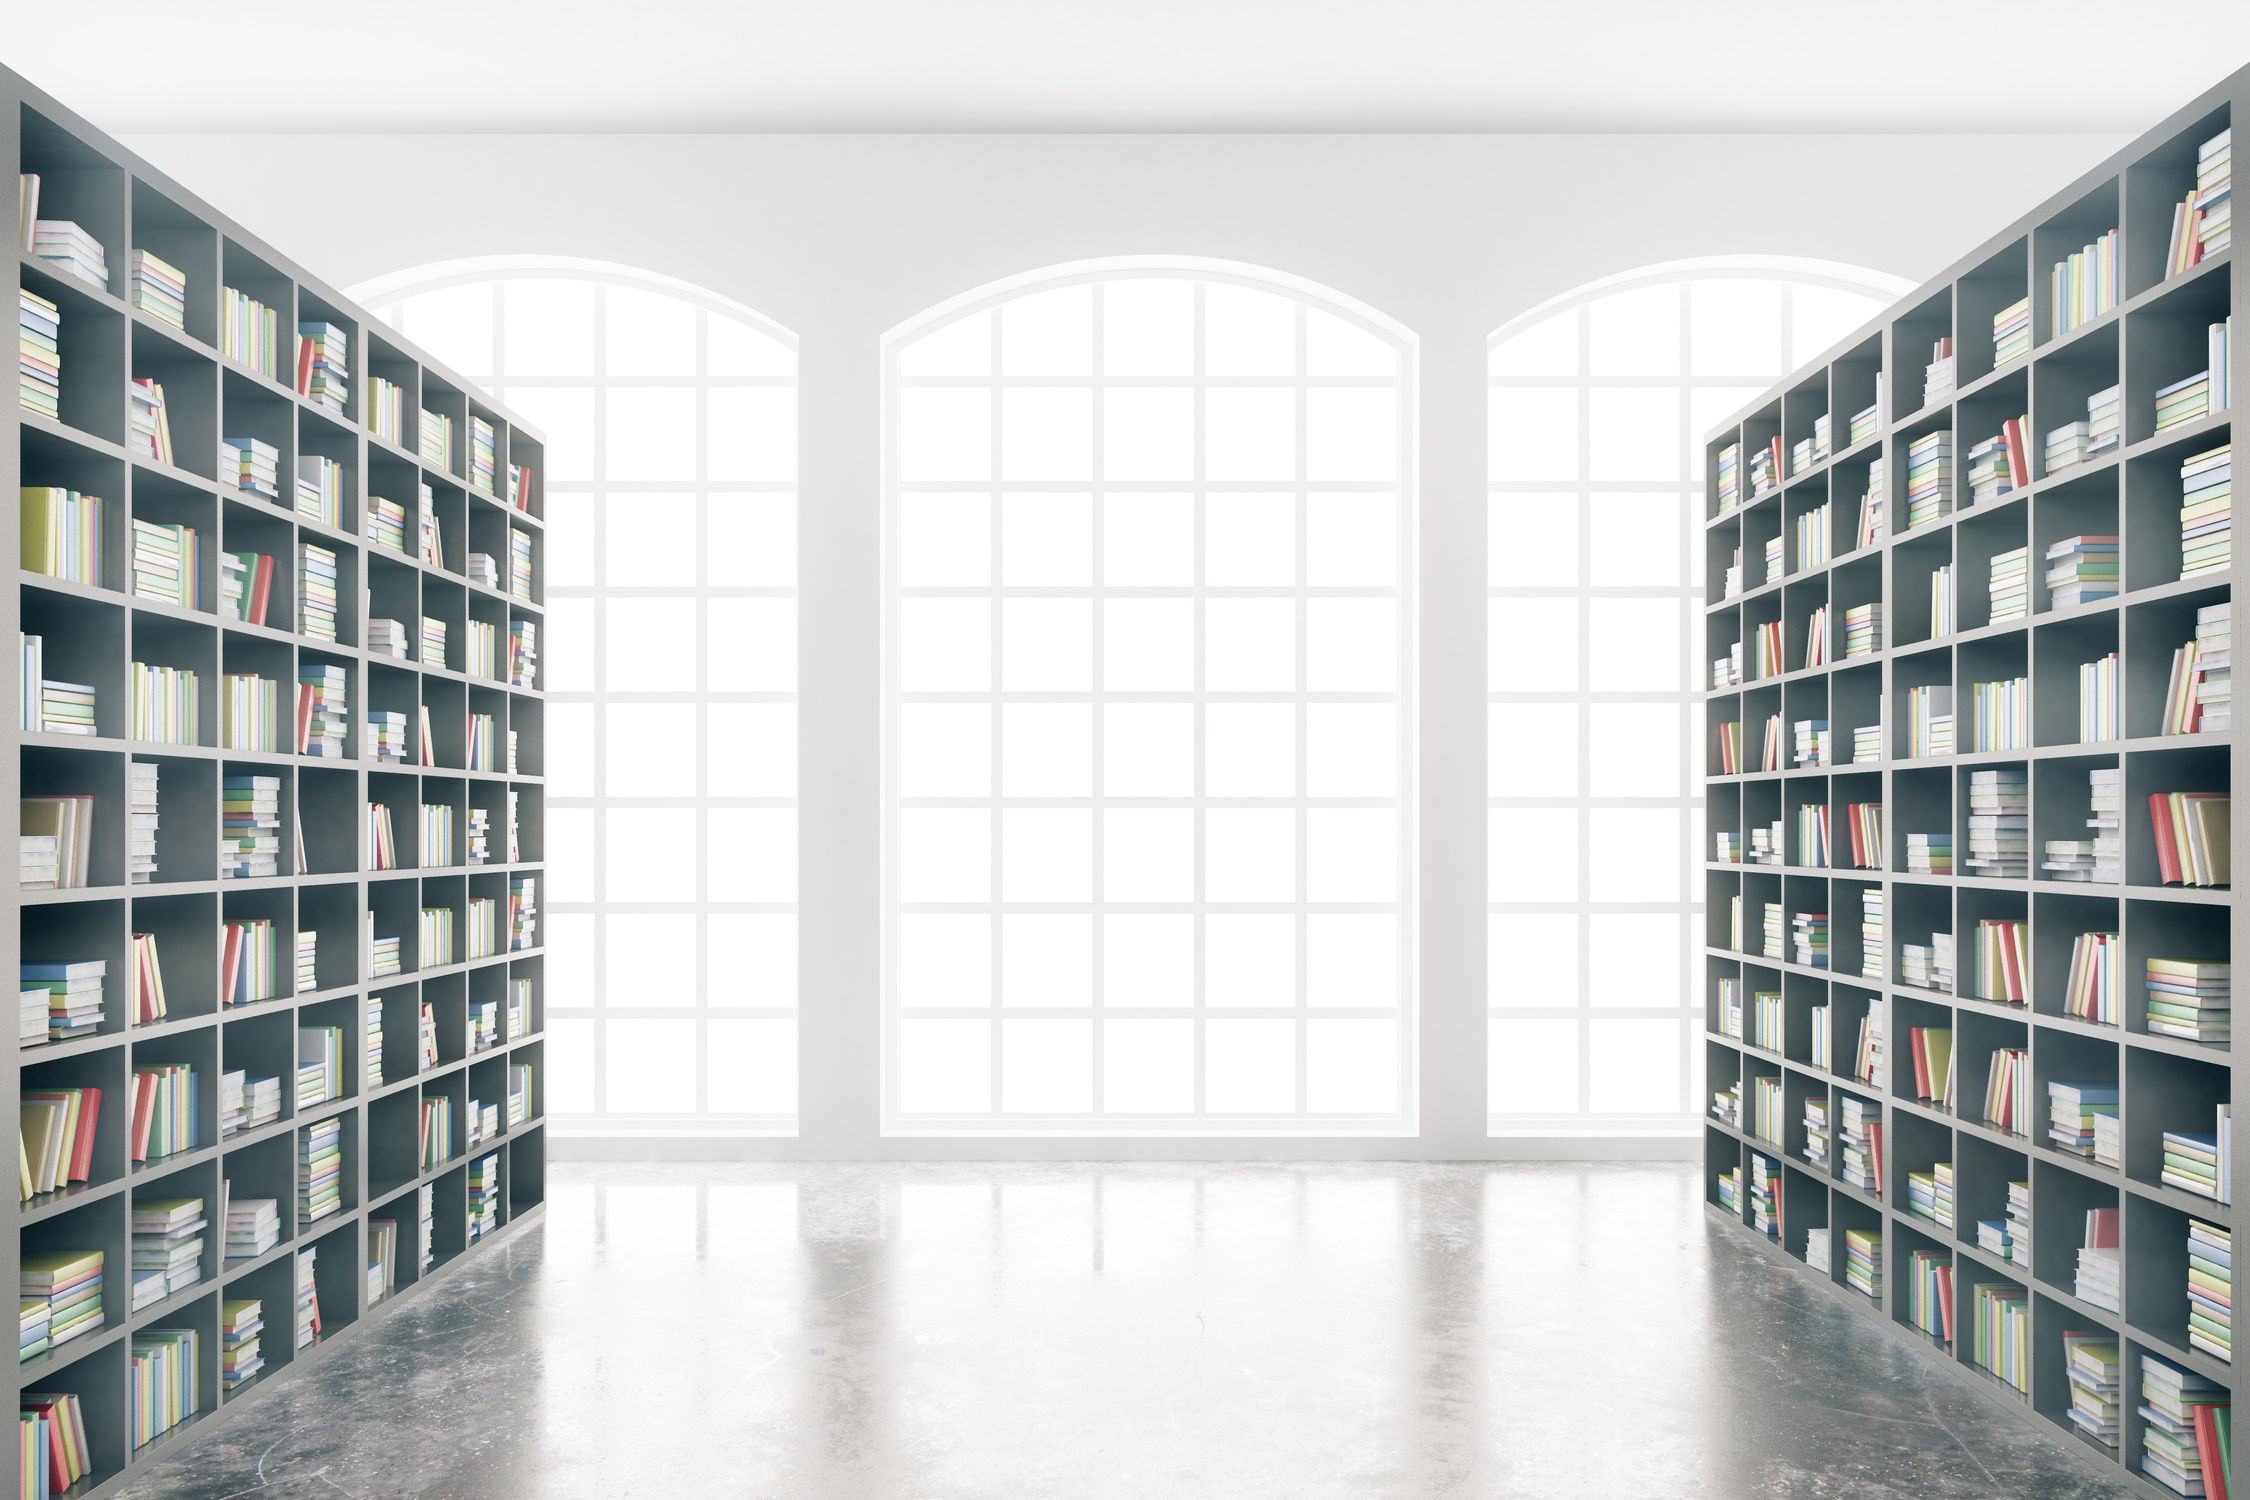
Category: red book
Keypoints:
(82, 1149)
(304, 366)
(1945, 1300)
(1921, 1064)
(2207, 1450)
(1859, 848)
(2011, 965)
(260, 590)
(304, 716)
(144, 1112)
(2019, 461)
(58, 1446)
(2167, 851)
(229, 966)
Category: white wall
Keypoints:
(841, 237)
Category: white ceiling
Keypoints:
(1130, 65)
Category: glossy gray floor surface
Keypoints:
(1038, 1332)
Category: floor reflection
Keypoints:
(1105, 1332)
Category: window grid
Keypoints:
(587, 1017)
(1102, 493)
(1525, 1038)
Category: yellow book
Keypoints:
(42, 512)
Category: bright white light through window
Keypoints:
(1598, 408)
(671, 727)
(1148, 669)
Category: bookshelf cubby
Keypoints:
(456, 1024)
(2004, 1013)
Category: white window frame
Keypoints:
(1406, 1120)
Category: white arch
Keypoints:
(436, 275)
(1804, 270)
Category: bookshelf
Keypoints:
(378, 1145)
(1964, 846)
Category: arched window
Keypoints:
(1148, 669)
(671, 718)
(1598, 400)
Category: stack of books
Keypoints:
(320, 1065)
(250, 465)
(2019, 1223)
(2071, 443)
(519, 1008)
(2080, 570)
(2073, 1109)
(69, 1282)
(1765, 1188)
(519, 562)
(308, 1298)
(2206, 511)
(386, 523)
(383, 956)
(484, 1024)
(1939, 376)
(1810, 936)
(324, 361)
(2214, 660)
(1729, 846)
(1730, 1007)
(1943, 612)
(1730, 477)
(1816, 1124)
(165, 702)
(62, 534)
(1928, 966)
(1929, 1195)
(1813, 747)
(389, 637)
(1863, 1260)
(1929, 721)
(1871, 948)
(316, 591)
(167, 562)
(2097, 1281)
(239, 1323)
(2193, 1160)
(71, 251)
(1766, 468)
(2011, 584)
(31, 1017)
(1999, 824)
(523, 654)
(159, 289)
(1818, 1252)
(2210, 1290)
(483, 456)
(426, 1207)
(2092, 992)
(1871, 507)
(523, 896)
(1765, 845)
(2181, 1441)
(2084, 287)
(1929, 478)
(2105, 422)
(68, 707)
(1775, 927)
(1991, 475)
(1863, 629)
(148, 429)
(320, 489)
(1730, 1190)
(483, 570)
(1992, 1237)
(74, 994)
(250, 333)
(308, 961)
(519, 1092)
(261, 1102)
(32, 1323)
(253, 1227)
(167, 1248)
(1929, 853)
(2011, 331)
(2192, 999)
(320, 1169)
(433, 642)
(250, 809)
(2213, 199)
(39, 388)
(373, 1041)
(386, 411)
(322, 718)
(484, 1197)
(437, 439)
(1867, 743)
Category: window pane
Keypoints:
(1250, 1067)
(1532, 1068)
(645, 1061)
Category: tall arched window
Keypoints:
(671, 718)
(1598, 400)
(1148, 668)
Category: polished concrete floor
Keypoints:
(1037, 1332)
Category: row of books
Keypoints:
(56, 840)
(1999, 820)
(62, 534)
(250, 333)
(2085, 286)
